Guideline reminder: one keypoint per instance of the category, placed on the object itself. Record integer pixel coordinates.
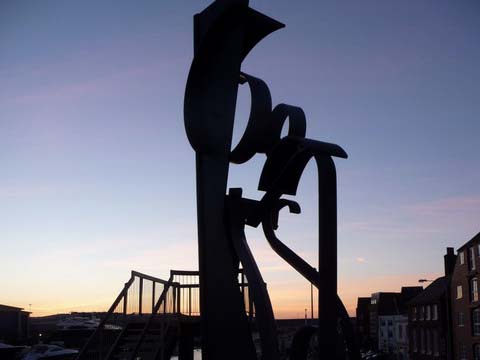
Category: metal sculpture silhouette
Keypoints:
(224, 33)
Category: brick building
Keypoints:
(363, 322)
(465, 301)
(430, 320)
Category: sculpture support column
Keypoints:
(224, 34)
(327, 257)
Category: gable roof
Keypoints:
(476, 238)
(432, 293)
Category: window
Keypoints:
(390, 333)
(429, 342)
(460, 319)
(382, 323)
(435, 312)
(471, 261)
(389, 322)
(462, 352)
(476, 321)
(478, 249)
(400, 331)
(459, 292)
(436, 341)
(474, 289)
(427, 317)
(414, 340)
(422, 341)
(476, 352)
(422, 312)
(461, 256)
(414, 313)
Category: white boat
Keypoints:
(50, 352)
(78, 323)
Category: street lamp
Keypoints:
(424, 280)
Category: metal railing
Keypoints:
(137, 300)
(144, 299)
(188, 292)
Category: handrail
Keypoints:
(160, 300)
(184, 272)
(194, 272)
(102, 323)
(169, 293)
(148, 277)
(122, 295)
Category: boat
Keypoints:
(78, 323)
(50, 352)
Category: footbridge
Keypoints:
(152, 317)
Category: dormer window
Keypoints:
(461, 256)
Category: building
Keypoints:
(14, 324)
(389, 320)
(381, 304)
(465, 301)
(430, 320)
(362, 327)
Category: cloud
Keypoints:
(31, 191)
(449, 205)
(423, 220)
(360, 259)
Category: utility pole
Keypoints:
(311, 303)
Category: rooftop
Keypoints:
(432, 293)
(9, 308)
(475, 239)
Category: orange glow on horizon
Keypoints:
(289, 301)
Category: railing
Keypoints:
(136, 301)
(188, 292)
(146, 298)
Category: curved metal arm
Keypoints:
(309, 273)
(258, 291)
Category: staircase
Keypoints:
(128, 333)
(150, 341)
(151, 318)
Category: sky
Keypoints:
(98, 178)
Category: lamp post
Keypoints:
(424, 280)
(311, 303)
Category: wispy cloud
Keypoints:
(458, 204)
(421, 219)
(30, 191)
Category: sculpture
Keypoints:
(224, 33)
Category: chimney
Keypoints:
(449, 259)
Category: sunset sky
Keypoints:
(98, 178)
